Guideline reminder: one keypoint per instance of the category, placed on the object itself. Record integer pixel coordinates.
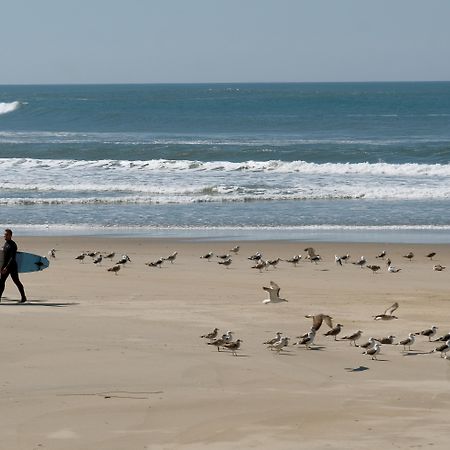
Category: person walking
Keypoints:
(9, 266)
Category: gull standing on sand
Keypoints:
(353, 337)
(373, 351)
(381, 255)
(294, 260)
(429, 332)
(374, 268)
(308, 340)
(115, 269)
(274, 339)
(361, 262)
(233, 346)
(345, 258)
(337, 260)
(444, 348)
(443, 338)
(98, 259)
(260, 265)
(334, 331)
(279, 346)
(110, 255)
(256, 257)
(156, 263)
(226, 262)
(81, 257)
(369, 344)
(409, 256)
(172, 257)
(211, 335)
(408, 341)
(393, 269)
(235, 249)
(273, 262)
(438, 268)
(387, 340)
(208, 256)
(52, 253)
(274, 294)
(431, 255)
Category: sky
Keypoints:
(196, 41)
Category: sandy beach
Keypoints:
(96, 360)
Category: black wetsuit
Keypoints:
(10, 264)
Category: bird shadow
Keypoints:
(356, 369)
(414, 353)
(40, 303)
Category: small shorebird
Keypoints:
(438, 268)
(115, 268)
(374, 268)
(274, 294)
(172, 257)
(373, 351)
(409, 256)
(361, 262)
(294, 260)
(334, 331)
(429, 332)
(408, 341)
(318, 319)
(431, 255)
(444, 348)
(226, 262)
(211, 335)
(208, 256)
(233, 346)
(353, 337)
(235, 249)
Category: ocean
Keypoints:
(303, 161)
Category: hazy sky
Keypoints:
(158, 41)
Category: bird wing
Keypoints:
(391, 309)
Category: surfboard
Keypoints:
(28, 262)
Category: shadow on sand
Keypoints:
(35, 302)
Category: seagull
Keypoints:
(273, 262)
(369, 344)
(233, 346)
(115, 268)
(345, 258)
(315, 258)
(52, 253)
(408, 341)
(98, 259)
(319, 318)
(381, 255)
(385, 315)
(274, 339)
(373, 351)
(211, 335)
(443, 338)
(218, 342)
(431, 255)
(444, 348)
(438, 267)
(308, 340)
(256, 257)
(409, 256)
(387, 340)
(172, 257)
(81, 257)
(429, 333)
(208, 256)
(110, 255)
(294, 260)
(361, 262)
(374, 268)
(124, 259)
(278, 346)
(353, 337)
(156, 263)
(393, 269)
(235, 249)
(226, 262)
(310, 251)
(260, 265)
(388, 262)
(337, 260)
(225, 256)
(274, 294)
(334, 331)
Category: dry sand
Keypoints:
(103, 361)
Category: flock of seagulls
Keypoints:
(372, 347)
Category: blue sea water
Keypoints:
(335, 161)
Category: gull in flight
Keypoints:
(318, 319)
(274, 294)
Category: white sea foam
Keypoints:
(409, 170)
(6, 108)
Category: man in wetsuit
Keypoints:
(9, 266)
